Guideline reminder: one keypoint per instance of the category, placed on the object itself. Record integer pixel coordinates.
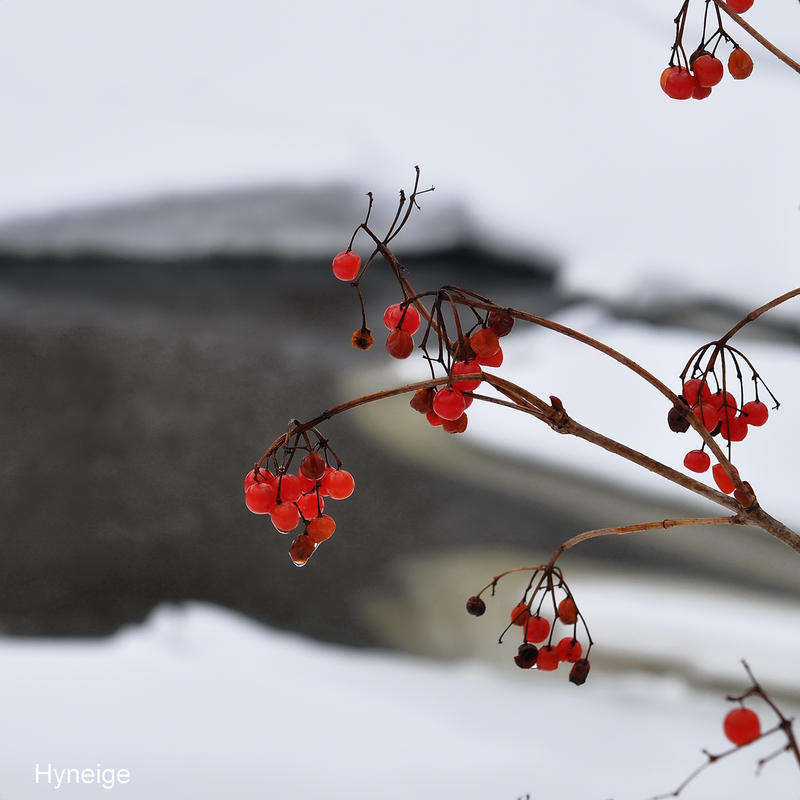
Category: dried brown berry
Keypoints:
(301, 549)
(313, 466)
(526, 655)
(676, 419)
(363, 339)
(579, 671)
(456, 425)
(500, 322)
(422, 400)
(476, 606)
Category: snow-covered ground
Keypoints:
(201, 703)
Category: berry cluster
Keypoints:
(718, 410)
(696, 75)
(291, 498)
(541, 648)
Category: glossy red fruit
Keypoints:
(569, 649)
(537, 629)
(733, 429)
(697, 461)
(306, 484)
(721, 478)
(707, 414)
(679, 85)
(399, 344)
(320, 528)
(739, 6)
(401, 317)
(665, 74)
(260, 498)
(548, 659)
(301, 550)
(755, 413)
(285, 517)
(740, 65)
(264, 476)
(741, 726)
(491, 361)
(313, 466)
(724, 403)
(456, 425)
(311, 505)
(288, 488)
(695, 389)
(708, 70)
(346, 265)
(484, 342)
(500, 322)
(700, 92)
(448, 403)
(568, 611)
(520, 614)
(466, 368)
(339, 484)
(433, 418)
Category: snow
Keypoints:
(201, 703)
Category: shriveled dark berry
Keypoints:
(422, 400)
(676, 419)
(301, 549)
(579, 671)
(363, 339)
(500, 322)
(526, 655)
(313, 466)
(476, 606)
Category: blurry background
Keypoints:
(174, 180)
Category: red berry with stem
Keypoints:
(679, 85)
(491, 361)
(500, 322)
(707, 414)
(741, 726)
(548, 659)
(260, 498)
(466, 368)
(700, 92)
(739, 6)
(733, 429)
(346, 265)
(456, 425)
(288, 488)
(320, 528)
(537, 629)
(708, 70)
(433, 418)
(721, 478)
(264, 476)
(301, 550)
(665, 74)
(313, 466)
(484, 343)
(339, 484)
(399, 344)
(310, 504)
(568, 611)
(401, 317)
(697, 461)
(755, 413)
(569, 649)
(740, 65)
(448, 403)
(520, 614)
(285, 517)
(694, 390)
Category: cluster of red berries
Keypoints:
(294, 498)
(741, 726)
(446, 406)
(539, 648)
(696, 76)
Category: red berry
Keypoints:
(755, 413)
(697, 461)
(466, 368)
(568, 611)
(694, 389)
(733, 429)
(679, 84)
(500, 322)
(434, 418)
(707, 414)
(320, 528)
(306, 484)
(285, 517)
(400, 344)
(724, 403)
(422, 400)
(448, 403)
(739, 6)
(700, 92)
(665, 74)
(740, 65)
(569, 649)
(456, 425)
(520, 613)
(547, 659)
(491, 361)
(338, 484)
(288, 488)
(401, 317)
(537, 629)
(484, 343)
(310, 504)
(708, 69)
(346, 265)
(301, 550)
(721, 478)
(313, 466)
(741, 726)
(260, 498)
